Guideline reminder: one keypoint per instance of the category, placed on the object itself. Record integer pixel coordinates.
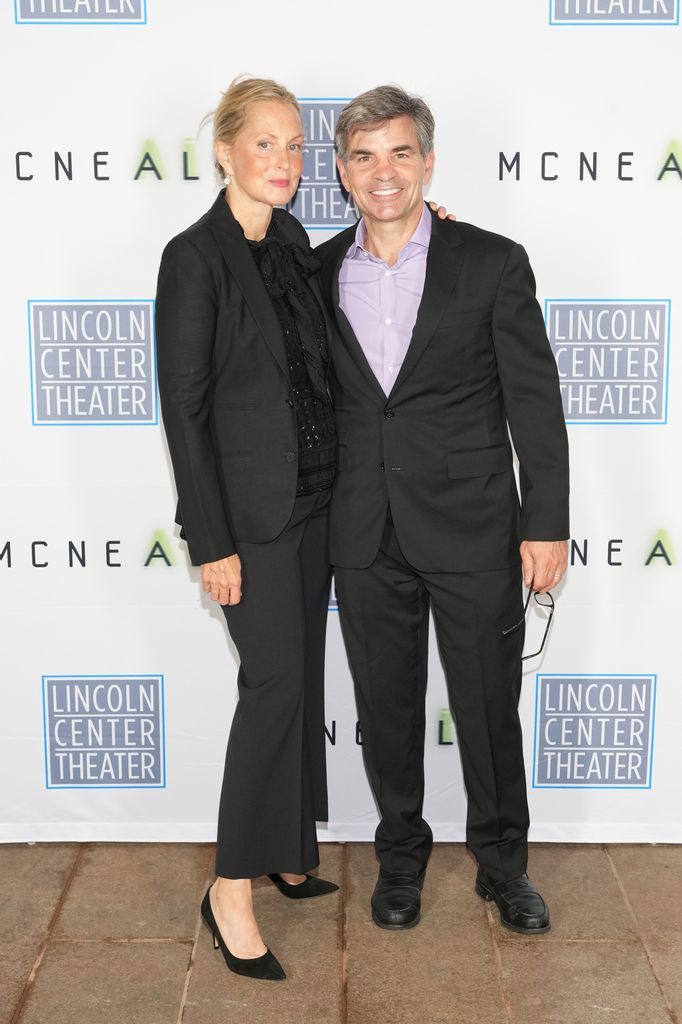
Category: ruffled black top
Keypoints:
(284, 268)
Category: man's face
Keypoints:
(385, 171)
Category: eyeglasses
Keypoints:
(547, 602)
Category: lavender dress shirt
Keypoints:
(381, 302)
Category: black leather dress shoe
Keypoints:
(397, 899)
(522, 908)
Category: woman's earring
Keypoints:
(228, 179)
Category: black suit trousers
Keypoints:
(384, 612)
(274, 786)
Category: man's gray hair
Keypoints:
(373, 108)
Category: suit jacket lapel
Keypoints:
(237, 256)
(442, 266)
(348, 334)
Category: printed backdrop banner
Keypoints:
(558, 125)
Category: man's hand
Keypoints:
(223, 579)
(544, 563)
(441, 212)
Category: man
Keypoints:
(442, 348)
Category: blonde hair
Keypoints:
(232, 111)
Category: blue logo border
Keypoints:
(101, 423)
(79, 21)
(625, 423)
(594, 675)
(323, 99)
(162, 724)
(613, 24)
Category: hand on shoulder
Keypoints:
(441, 211)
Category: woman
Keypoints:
(242, 361)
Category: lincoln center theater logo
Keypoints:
(80, 12)
(320, 202)
(612, 358)
(104, 731)
(92, 362)
(614, 12)
(594, 731)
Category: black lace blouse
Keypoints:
(284, 268)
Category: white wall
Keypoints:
(500, 78)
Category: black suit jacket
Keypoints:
(224, 384)
(438, 447)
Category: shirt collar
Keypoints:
(421, 237)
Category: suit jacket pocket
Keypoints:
(238, 453)
(479, 462)
(453, 319)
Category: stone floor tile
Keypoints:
(305, 935)
(666, 958)
(16, 962)
(651, 878)
(584, 899)
(32, 879)
(108, 983)
(581, 983)
(444, 971)
(136, 890)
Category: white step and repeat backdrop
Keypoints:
(558, 125)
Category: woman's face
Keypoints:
(266, 158)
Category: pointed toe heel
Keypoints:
(265, 968)
(304, 890)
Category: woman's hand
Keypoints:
(441, 212)
(223, 579)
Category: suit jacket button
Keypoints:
(290, 403)
(381, 467)
(290, 456)
(389, 414)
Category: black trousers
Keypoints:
(274, 786)
(384, 612)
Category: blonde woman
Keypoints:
(243, 349)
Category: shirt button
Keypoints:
(387, 320)
(388, 273)
(290, 456)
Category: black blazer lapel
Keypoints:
(237, 256)
(442, 266)
(346, 331)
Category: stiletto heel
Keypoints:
(311, 887)
(266, 967)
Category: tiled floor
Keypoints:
(111, 933)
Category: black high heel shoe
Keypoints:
(311, 887)
(266, 967)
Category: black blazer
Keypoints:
(224, 384)
(438, 447)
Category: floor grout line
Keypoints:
(343, 929)
(75, 867)
(626, 899)
(506, 998)
(160, 940)
(193, 951)
(528, 942)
